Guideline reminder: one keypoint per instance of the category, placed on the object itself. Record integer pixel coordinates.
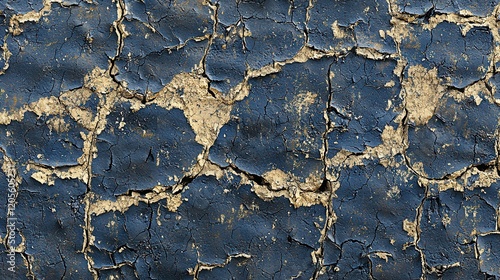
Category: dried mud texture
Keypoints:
(230, 139)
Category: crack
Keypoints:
(290, 239)
(200, 266)
(121, 34)
(89, 195)
(133, 197)
(116, 265)
(105, 105)
(63, 261)
(418, 231)
(308, 12)
(259, 180)
(203, 63)
(330, 183)
(304, 54)
(440, 269)
(318, 255)
(28, 261)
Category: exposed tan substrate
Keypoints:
(457, 180)
(204, 266)
(70, 103)
(207, 115)
(34, 16)
(287, 185)
(281, 184)
(16, 21)
(393, 143)
(6, 54)
(422, 92)
(124, 202)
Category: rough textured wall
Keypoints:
(266, 139)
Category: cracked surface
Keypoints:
(232, 139)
